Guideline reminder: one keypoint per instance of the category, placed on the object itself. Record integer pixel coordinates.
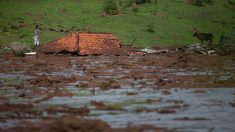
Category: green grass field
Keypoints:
(172, 26)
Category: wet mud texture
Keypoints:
(72, 124)
(28, 83)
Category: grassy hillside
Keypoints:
(171, 20)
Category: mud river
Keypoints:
(169, 92)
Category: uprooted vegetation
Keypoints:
(225, 48)
(16, 49)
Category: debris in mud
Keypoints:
(152, 51)
(166, 111)
(161, 111)
(210, 49)
(196, 48)
(62, 93)
(2, 98)
(109, 84)
(20, 86)
(191, 119)
(104, 85)
(177, 104)
(82, 111)
(131, 93)
(22, 95)
(102, 106)
(233, 104)
(56, 85)
(199, 91)
(48, 81)
(82, 85)
(15, 107)
(165, 92)
(175, 101)
(31, 53)
(47, 97)
(150, 101)
(163, 82)
(1, 84)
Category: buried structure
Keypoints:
(85, 44)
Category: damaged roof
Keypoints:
(84, 44)
(65, 44)
(97, 43)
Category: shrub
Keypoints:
(231, 2)
(226, 46)
(150, 27)
(142, 1)
(110, 7)
(200, 2)
(210, 2)
(226, 49)
(18, 48)
(5, 29)
(135, 9)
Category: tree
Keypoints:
(110, 7)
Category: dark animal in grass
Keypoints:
(204, 37)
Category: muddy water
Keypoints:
(182, 92)
(195, 109)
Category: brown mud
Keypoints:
(28, 83)
(71, 123)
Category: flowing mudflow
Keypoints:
(174, 91)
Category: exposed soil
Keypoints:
(71, 123)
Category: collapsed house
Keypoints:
(85, 44)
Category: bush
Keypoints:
(19, 49)
(142, 1)
(226, 46)
(200, 2)
(110, 7)
(150, 27)
(226, 49)
(210, 2)
(231, 2)
(135, 9)
(5, 29)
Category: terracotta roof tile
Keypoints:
(66, 44)
(91, 43)
(84, 44)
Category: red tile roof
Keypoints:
(84, 44)
(64, 44)
(91, 43)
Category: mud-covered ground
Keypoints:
(170, 92)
